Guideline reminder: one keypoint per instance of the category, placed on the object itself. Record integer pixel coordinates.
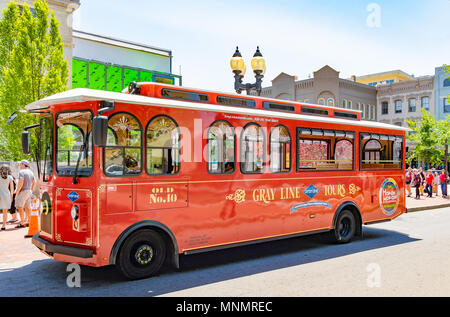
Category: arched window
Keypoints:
(447, 82)
(372, 151)
(321, 101)
(330, 102)
(221, 148)
(253, 144)
(123, 151)
(280, 150)
(162, 146)
(343, 154)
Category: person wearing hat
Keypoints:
(24, 192)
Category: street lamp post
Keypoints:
(238, 67)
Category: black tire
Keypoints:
(345, 227)
(141, 255)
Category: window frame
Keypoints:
(395, 106)
(266, 105)
(56, 143)
(290, 149)
(242, 162)
(384, 110)
(146, 146)
(412, 104)
(208, 147)
(302, 170)
(361, 151)
(184, 91)
(123, 147)
(446, 105)
(41, 167)
(250, 102)
(427, 104)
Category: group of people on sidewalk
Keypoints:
(426, 183)
(16, 195)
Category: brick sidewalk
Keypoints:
(425, 203)
(15, 248)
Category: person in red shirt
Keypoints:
(443, 180)
(429, 186)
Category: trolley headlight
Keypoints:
(74, 212)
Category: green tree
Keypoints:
(429, 136)
(32, 66)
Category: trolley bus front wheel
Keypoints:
(141, 255)
(345, 227)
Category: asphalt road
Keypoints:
(405, 257)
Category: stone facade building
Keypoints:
(325, 88)
(402, 101)
(442, 93)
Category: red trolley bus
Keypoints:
(136, 179)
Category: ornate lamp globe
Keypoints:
(237, 62)
(258, 62)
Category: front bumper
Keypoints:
(51, 248)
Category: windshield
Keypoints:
(45, 147)
(73, 130)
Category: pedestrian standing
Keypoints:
(24, 192)
(6, 192)
(417, 183)
(408, 180)
(429, 183)
(422, 180)
(436, 183)
(443, 180)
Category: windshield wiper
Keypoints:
(44, 168)
(82, 149)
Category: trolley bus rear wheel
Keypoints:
(345, 227)
(142, 254)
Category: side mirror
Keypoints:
(26, 142)
(100, 130)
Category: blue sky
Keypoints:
(295, 37)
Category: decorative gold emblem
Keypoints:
(353, 189)
(58, 237)
(238, 196)
(102, 188)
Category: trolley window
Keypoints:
(319, 149)
(379, 151)
(280, 150)
(184, 95)
(240, 102)
(345, 115)
(74, 143)
(123, 151)
(221, 148)
(253, 144)
(162, 146)
(314, 111)
(278, 106)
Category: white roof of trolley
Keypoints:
(85, 94)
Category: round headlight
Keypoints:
(74, 212)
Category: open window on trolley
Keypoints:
(321, 149)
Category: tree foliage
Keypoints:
(429, 136)
(32, 66)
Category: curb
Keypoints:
(414, 209)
